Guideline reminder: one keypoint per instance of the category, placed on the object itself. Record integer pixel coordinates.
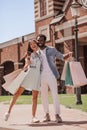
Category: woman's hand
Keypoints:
(25, 68)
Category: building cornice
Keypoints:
(71, 23)
(17, 40)
(63, 39)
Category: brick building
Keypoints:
(52, 18)
(12, 56)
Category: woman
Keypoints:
(31, 80)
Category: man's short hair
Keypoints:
(41, 35)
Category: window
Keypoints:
(45, 30)
(43, 7)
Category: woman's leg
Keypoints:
(15, 97)
(34, 102)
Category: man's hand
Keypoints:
(68, 55)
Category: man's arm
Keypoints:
(61, 56)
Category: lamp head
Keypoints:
(76, 4)
(75, 8)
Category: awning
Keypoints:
(57, 19)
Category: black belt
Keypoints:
(32, 66)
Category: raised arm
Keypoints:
(27, 63)
(67, 55)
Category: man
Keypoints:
(49, 74)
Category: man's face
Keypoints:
(41, 42)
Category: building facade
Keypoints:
(12, 56)
(54, 19)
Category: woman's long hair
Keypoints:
(29, 50)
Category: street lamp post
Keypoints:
(75, 6)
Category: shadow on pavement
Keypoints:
(3, 128)
(52, 123)
(74, 122)
(57, 124)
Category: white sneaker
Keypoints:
(35, 120)
(6, 116)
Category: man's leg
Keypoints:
(44, 97)
(45, 103)
(54, 90)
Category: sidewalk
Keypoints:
(20, 119)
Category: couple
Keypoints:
(40, 69)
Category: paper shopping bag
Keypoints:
(12, 75)
(64, 71)
(12, 86)
(68, 77)
(77, 73)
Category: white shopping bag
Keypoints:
(12, 75)
(13, 86)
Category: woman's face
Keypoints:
(33, 45)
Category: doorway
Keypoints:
(84, 88)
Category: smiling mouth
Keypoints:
(40, 44)
(34, 46)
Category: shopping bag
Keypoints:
(12, 86)
(64, 71)
(9, 78)
(77, 73)
(73, 74)
(12, 75)
(68, 76)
